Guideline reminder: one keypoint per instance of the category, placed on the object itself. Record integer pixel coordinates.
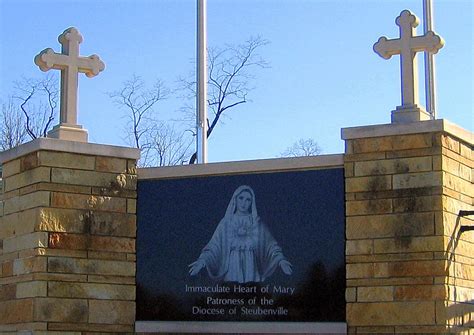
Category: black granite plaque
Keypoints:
(246, 247)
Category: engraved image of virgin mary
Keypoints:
(241, 249)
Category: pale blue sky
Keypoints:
(324, 75)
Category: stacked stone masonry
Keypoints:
(409, 268)
(67, 244)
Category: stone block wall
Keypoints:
(68, 228)
(409, 269)
(458, 194)
(67, 239)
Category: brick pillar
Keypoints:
(67, 238)
(408, 267)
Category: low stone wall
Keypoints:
(409, 269)
(68, 228)
(67, 237)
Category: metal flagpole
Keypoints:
(429, 61)
(201, 97)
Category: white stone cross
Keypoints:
(407, 46)
(70, 64)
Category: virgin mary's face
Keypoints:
(244, 202)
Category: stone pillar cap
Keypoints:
(53, 144)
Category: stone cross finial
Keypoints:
(70, 64)
(407, 46)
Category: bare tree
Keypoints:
(38, 100)
(231, 71)
(167, 146)
(12, 126)
(160, 143)
(139, 103)
(302, 148)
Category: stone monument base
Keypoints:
(409, 113)
(69, 133)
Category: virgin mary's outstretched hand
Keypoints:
(286, 267)
(196, 266)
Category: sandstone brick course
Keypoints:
(417, 204)
(116, 256)
(65, 253)
(91, 242)
(42, 186)
(28, 241)
(466, 173)
(61, 310)
(466, 151)
(61, 220)
(391, 143)
(88, 202)
(393, 166)
(91, 291)
(31, 200)
(114, 224)
(458, 184)
(31, 289)
(29, 161)
(366, 184)
(19, 223)
(461, 159)
(357, 282)
(359, 270)
(60, 277)
(7, 268)
(7, 292)
(111, 279)
(351, 294)
(110, 164)
(40, 174)
(66, 160)
(450, 143)
(15, 311)
(33, 327)
(358, 247)
(29, 265)
(391, 225)
(11, 168)
(111, 312)
(131, 206)
(384, 258)
(375, 294)
(414, 268)
(407, 153)
(417, 180)
(409, 244)
(420, 292)
(364, 157)
(348, 169)
(17, 279)
(391, 313)
(90, 266)
(85, 221)
(452, 206)
(379, 206)
(92, 178)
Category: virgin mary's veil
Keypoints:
(233, 202)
